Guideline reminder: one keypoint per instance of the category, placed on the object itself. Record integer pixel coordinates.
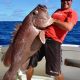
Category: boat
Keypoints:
(70, 72)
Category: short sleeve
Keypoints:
(73, 17)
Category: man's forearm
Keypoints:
(63, 25)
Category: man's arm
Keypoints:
(64, 25)
(72, 19)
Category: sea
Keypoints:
(7, 28)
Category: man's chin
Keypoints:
(65, 8)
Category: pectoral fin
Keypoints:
(42, 37)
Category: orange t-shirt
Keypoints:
(57, 33)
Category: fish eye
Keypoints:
(35, 12)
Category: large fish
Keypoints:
(27, 40)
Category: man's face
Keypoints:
(65, 4)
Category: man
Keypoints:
(64, 20)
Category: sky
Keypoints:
(16, 10)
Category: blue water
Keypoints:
(7, 27)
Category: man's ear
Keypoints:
(42, 37)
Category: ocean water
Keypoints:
(7, 28)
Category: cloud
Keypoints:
(7, 2)
(15, 15)
(47, 1)
(18, 13)
(3, 15)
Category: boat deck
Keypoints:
(70, 73)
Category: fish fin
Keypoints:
(42, 36)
